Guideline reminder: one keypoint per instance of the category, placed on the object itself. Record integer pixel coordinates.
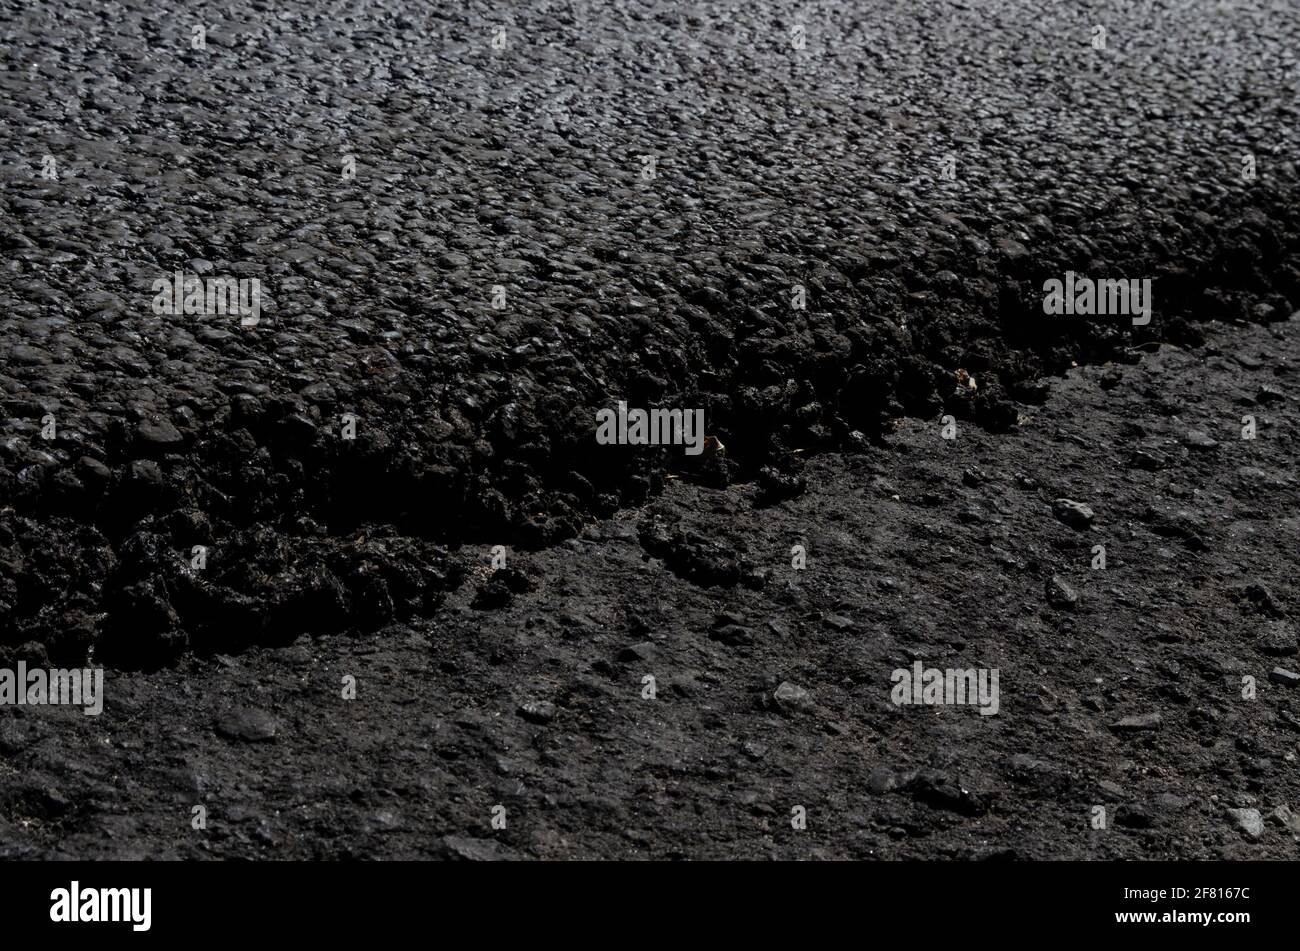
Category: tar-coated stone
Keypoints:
(1075, 514)
(1140, 723)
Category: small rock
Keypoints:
(93, 472)
(1263, 601)
(1075, 514)
(1278, 639)
(729, 629)
(538, 711)
(157, 431)
(1134, 724)
(248, 725)
(838, 621)
(321, 393)
(144, 473)
(643, 650)
(733, 635)
(1287, 819)
(1134, 817)
(476, 850)
(492, 594)
(944, 791)
(1140, 459)
(755, 751)
(1061, 595)
(1111, 378)
(1248, 821)
(1198, 439)
(1284, 677)
(881, 780)
(776, 486)
(791, 697)
(516, 580)
(1182, 524)
(1172, 802)
(24, 355)
(777, 627)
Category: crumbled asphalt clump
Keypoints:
(499, 588)
(149, 598)
(696, 557)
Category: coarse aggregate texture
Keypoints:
(646, 185)
(827, 226)
(1128, 696)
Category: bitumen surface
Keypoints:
(473, 227)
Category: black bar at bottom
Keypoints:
(332, 901)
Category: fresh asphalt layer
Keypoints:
(474, 227)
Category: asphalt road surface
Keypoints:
(453, 235)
